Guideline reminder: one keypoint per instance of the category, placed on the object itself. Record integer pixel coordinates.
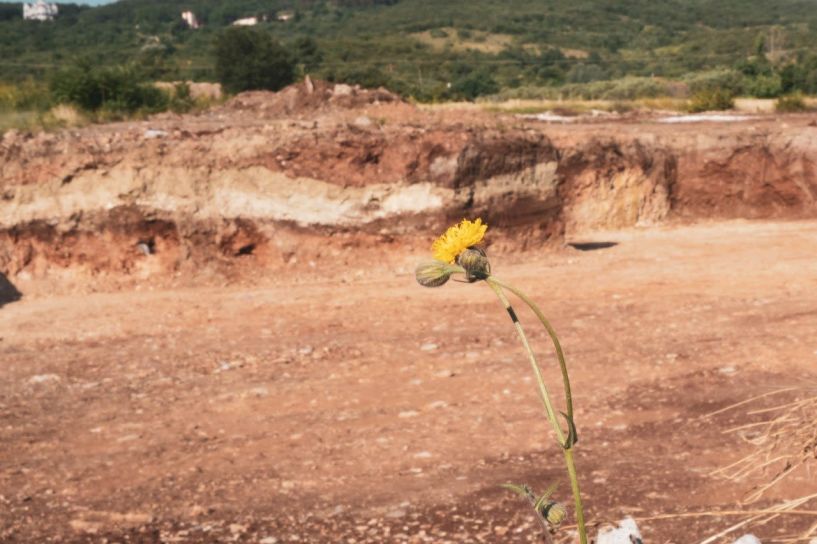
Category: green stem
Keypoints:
(556, 344)
(577, 497)
(543, 391)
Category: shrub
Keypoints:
(710, 100)
(115, 89)
(181, 101)
(765, 86)
(248, 59)
(790, 104)
(473, 85)
(729, 80)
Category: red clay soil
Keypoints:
(325, 404)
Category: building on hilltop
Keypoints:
(246, 21)
(190, 18)
(39, 11)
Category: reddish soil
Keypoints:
(347, 404)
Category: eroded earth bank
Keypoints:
(210, 330)
(302, 174)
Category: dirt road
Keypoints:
(354, 406)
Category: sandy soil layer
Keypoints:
(354, 406)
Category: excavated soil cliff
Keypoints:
(268, 180)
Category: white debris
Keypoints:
(703, 117)
(626, 533)
(550, 117)
(429, 346)
(748, 539)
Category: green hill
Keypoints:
(426, 48)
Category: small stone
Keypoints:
(408, 413)
(237, 528)
(422, 454)
(224, 366)
(429, 346)
(306, 350)
(82, 526)
(43, 378)
(396, 513)
(268, 540)
(259, 392)
(500, 530)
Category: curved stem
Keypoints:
(496, 286)
(556, 344)
(540, 381)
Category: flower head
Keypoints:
(457, 239)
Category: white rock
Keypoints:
(154, 133)
(428, 346)
(341, 89)
(626, 533)
(748, 539)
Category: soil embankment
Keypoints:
(304, 173)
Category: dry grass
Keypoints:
(785, 441)
(67, 116)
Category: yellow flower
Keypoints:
(457, 239)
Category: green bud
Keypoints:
(433, 273)
(475, 263)
(553, 512)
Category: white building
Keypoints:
(190, 18)
(39, 11)
(246, 21)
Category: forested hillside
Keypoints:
(432, 48)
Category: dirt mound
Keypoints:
(308, 96)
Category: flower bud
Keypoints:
(432, 273)
(553, 512)
(475, 263)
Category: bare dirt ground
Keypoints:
(351, 405)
